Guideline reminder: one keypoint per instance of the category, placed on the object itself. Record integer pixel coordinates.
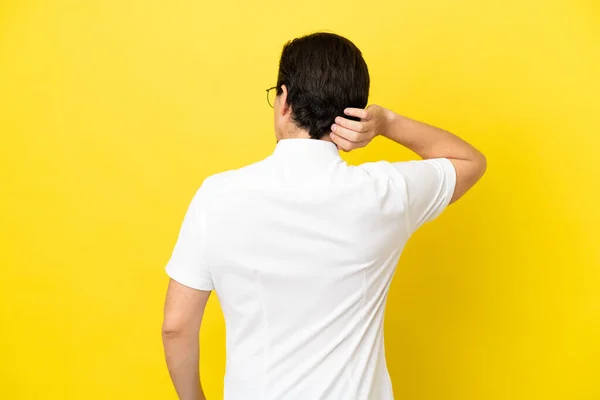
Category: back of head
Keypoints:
(324, 73)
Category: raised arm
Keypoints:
(425, 140)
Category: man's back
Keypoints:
(300, 249)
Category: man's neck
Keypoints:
(303, 134)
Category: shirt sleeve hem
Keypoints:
(449, 179)
(181, 277)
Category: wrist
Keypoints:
(390, 119)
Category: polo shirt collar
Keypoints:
(312, 149)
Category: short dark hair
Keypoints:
(324, 73)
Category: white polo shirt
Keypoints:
(300, 249)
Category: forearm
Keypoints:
(428, 141)
(182, 354)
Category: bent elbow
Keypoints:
(482, 163)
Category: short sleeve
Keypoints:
(429, 188)
(188, 264)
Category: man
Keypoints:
(301, 247)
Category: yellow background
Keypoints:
(113, 112)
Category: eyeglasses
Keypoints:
(271, 94)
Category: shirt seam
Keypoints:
(265, 328)
(204, 244)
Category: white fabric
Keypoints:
(300, 249)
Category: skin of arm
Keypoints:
(425, 140)
(184, 309)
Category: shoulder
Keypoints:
(415, 179)
(380, 170)
(377, 167)
(408, 169)
(234, 179)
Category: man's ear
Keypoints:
(284, 107)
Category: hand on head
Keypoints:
(349, 135)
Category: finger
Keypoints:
(341, 143)
(357, 112)
(345, 145)
(356, 126)
(347, 134)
